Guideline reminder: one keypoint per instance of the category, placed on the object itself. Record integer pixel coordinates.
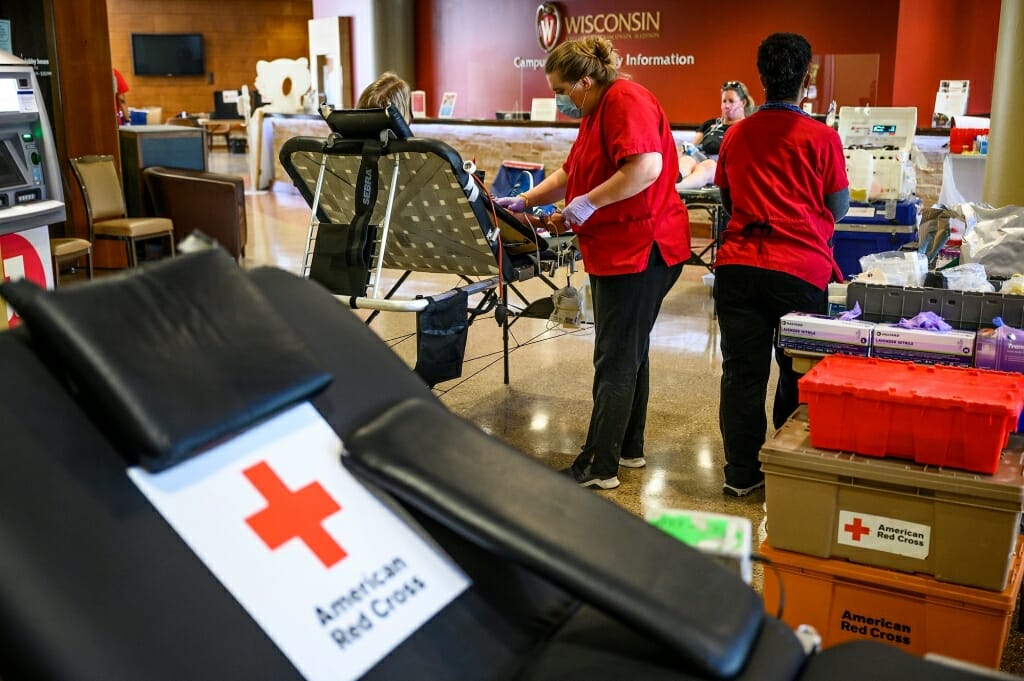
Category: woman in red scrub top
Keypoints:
(619, 186)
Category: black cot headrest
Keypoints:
(367, 123)
(171, 357)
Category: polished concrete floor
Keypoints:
(545, 408)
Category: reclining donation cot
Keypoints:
(102, 579)
(383, 199)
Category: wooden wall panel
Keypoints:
(236, 34)
(83, 93)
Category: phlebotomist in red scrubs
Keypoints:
(783, 182)
(633, 232)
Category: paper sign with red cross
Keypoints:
(25, 255)
(332, 576)
(880, 533)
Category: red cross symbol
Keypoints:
(291, 514)
(857, 529)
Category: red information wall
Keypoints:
(489, 53)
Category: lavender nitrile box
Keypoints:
(1003, 352)
(923, 346)
(818, 333)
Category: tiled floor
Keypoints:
(545, 409)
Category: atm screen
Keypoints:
(10, 173)
(879, 129)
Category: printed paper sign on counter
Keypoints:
(334, 578)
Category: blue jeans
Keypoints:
(749, 302)
(625, 309)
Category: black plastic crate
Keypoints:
(965, 310)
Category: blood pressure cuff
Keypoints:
(214, 361)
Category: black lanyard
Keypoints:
(783, 105)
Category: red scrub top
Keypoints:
(778, 166)
(617, 238)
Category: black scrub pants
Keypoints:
(749, 302)
(625, 309)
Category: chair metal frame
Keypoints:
(709, 200)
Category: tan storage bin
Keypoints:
(957, 526)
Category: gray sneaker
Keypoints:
(588, 479)
(741, 491)
(634, 462)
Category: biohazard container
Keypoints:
(957, 526)
(939, 415)
(845, 601)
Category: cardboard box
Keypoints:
(844, 601)
(959, 527)
(922, 346)
(818, 333)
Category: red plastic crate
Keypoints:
(937, 415)
(962, 139)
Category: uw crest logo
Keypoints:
(549, 25)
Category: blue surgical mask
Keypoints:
(567, 106)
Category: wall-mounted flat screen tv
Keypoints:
(168, 54)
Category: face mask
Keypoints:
(567, 106)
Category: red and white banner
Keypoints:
(26, 255)
(332, 576)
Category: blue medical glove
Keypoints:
(578, 210)
(516, 204)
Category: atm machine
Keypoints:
(31, 197)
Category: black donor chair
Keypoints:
(382, 199)
(95, 584)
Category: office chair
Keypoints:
(105, 207)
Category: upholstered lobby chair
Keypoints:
(105, 207)
(212, 203)
(64, 250)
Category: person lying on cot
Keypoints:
(698, 161)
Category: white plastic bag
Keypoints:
(969, 277)
(997, 240)
(897, 268)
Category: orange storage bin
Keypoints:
(845, 601)
(937, 415)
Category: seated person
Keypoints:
(388, 89)
(697, 163)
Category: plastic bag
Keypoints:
(898, 268)
(566, 312)
(969, 277)
(997, 240)
(1014, 285)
